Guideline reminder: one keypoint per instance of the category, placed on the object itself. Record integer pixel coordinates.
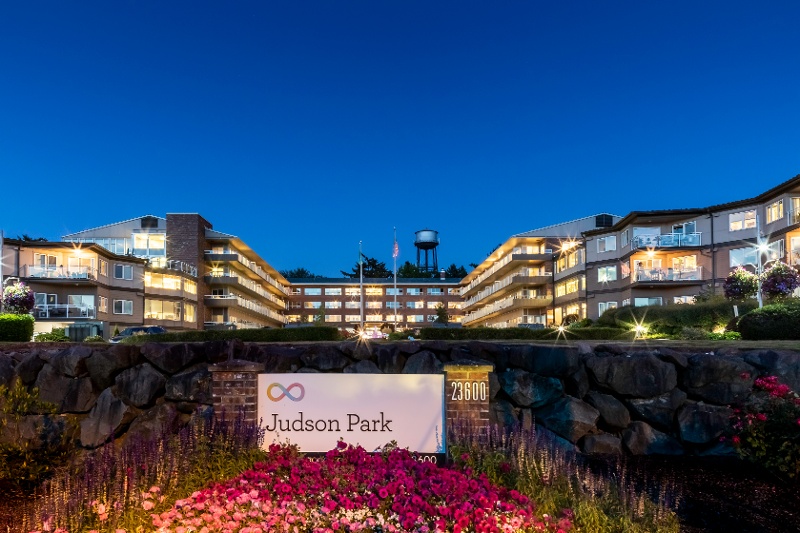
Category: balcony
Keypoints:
(60, 273)
(668, 240)
(232, 300)
(669, 277)
(64, 311)
(178, 266)
(250, 286)
(517, 254)
(506, 305)
(511, 283)
(232, 256)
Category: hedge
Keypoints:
(598, 333)
(779, 321)
(16, 328)
(671, 319)
(310, 333)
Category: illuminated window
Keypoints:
(394, 305)
(296, 290)
(81, 301)
(333, 291)
(352, 318)
(415, 305)
(189, 312)
(333, 305)
(292, 319)
(149, 244)
(415, 318)
(394, 318)
(433, 305)
(162, 281)
(352, 291)
(374, 305)
(605, 306)
(413, 292)
(454, 292)
(454, 305)
(774, 211)
(312, 305)
(352, 305)
(683, 299)
(742, 220)
(374, 291)
(433, 291)
(374, 318)
(607, 273)
(162, 310)
(103, 268)
(190, 286)
(431, 318)
(103, 307)
(313, 292)
(333, 318)
(394, 292)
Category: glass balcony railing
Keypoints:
(667, 240)
(249, 305)
(505, 282)
(504, 304)
(63, 311)
(659, 274)
(251, 265)
(169, 264)
(61, 272)
(250, 284)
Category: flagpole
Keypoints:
(361, 285)
(395, 251)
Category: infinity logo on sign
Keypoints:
(285, 392)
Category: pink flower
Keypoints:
(147, 505)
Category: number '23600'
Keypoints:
(470, 390)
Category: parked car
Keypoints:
(137, 330)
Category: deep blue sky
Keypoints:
(306, 126)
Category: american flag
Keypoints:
(395, 250)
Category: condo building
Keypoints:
(411, 303)
(233, 287)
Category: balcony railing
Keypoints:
(505, 282)
(668, 240)
(253, 266)
(500, 264)
(249, 305)
(504, 304)
(63, 311)
(249, 284)
(659, 274)
(169, 264)
(83, 272)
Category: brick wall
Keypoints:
(186, 241)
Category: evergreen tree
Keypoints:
(372, 269)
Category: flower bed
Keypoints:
(351, 490)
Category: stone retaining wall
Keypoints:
(601, 398)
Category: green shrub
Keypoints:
(309, 333)
(457, 334)
(780, 321)
(16, 328)
(727, 336)
(693, 334)
(94, 338)
(55, 335)
(671, 319)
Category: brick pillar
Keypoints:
(466, 395)
(234, 387)
(186, 241)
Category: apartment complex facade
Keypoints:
(78, 284)
(534, 279)
(233, 287)
(408, 304)
(582, 268)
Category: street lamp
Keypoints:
(761, 249)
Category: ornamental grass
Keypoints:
(214, 477)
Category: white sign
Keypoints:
(314, 411)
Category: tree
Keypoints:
(372, 269)
(454, 271)
(299, 272)
(409, 270)
(441, 315)
(27, 238)
(319, 317)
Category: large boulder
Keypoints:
(642, 439)
(105, 364)
(530, 390)
(362, 367)
(391, 360)
(569, 418)
(423, 362)
(140, 386)
(70, 361)
(718, 379)
(577, 383)
(6, 370)
(636, 375)
(70, 394)
(658, 411)
(108, 418)
(503, 414)
(784, 364)
(154, 422)
(488, 351)
(602, 444)
(360, 350)
(613, 413)
(700, 423)
(324, 357)
(191, 385)
(276, 358)
(550, 361)
(171, 358)
(30, 366)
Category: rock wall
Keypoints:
(600, 398)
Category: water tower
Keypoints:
(426, 241)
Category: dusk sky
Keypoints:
(304, 127)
